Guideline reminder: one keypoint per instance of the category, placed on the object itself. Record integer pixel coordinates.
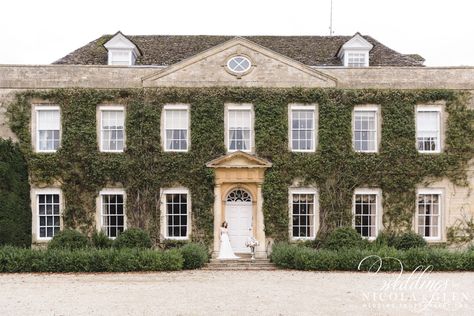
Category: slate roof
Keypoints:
(166, 50)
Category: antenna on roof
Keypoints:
(331, 32)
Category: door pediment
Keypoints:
(239, 159)
(268, 69)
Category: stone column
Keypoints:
(260, 251)
(217, 218)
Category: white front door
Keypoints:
(238, 215)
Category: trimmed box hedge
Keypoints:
(304, 258)
(96, 260)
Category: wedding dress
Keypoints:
(225, 250)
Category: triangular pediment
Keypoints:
(211, 68)
(239, 159)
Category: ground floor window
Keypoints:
(176, 213)
(365, 211)
(302, 212)
(428, 213)
(112, 212)
(48, 205)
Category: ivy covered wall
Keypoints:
(334, 168)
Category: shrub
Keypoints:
(133, 238)
(195, 255)
(15, 210)
(100, 240)
(88, 260)
(68, 239)
(343, 238)
(409, 240)
(304, 258)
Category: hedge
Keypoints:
(14, 259)
(15, 211)
(304, 258)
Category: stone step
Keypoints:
(240, 264)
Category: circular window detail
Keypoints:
(239, 64)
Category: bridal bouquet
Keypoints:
(251, 242)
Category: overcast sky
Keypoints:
(42, 31)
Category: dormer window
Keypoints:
(355, 59)
(121, 50)
(355, 52)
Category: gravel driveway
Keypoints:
(237, 293)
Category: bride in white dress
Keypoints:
(225, 250)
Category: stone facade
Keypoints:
(269, 70)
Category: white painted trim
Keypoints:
(35, 192)
(35, 131)
(112, 107)
(441, 222)
(239, 107)
(430, 108)
(177, 106)
(99, 208)
(305, 190)
(378, 208)
(359, 108)
(163, 217)
(295, 107)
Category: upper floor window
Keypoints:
(112, 128)
(428, 129)
(48, 128)
(120, 57)
(239, 128)
(365, 129)
(302, 127)
(176, 213)
(176, 127)
(366, 212)
(112, 211)
(303, 206)
(48, 212)
(357, 59)
(429, 213)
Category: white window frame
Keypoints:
(306, 190)
(302, 107)
(113, 51)
(239, 107)
(433, 191)
(103, 108)
(171, 107)
(438, 109)
(164, 217)
(100, 209)
(45, 107)
(378, 208)
(364, 52)
(377, 122)
(36, 192)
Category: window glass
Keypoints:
(429, 215)
(428, 130)
(177, 214)
(302, 130)
(48, 215)
(240, 130)
(112, 130)
(365, 131)
(302, 208)
(176, 130)
(113, 215)
(365, 214)
(49, 123)
(356, 60)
